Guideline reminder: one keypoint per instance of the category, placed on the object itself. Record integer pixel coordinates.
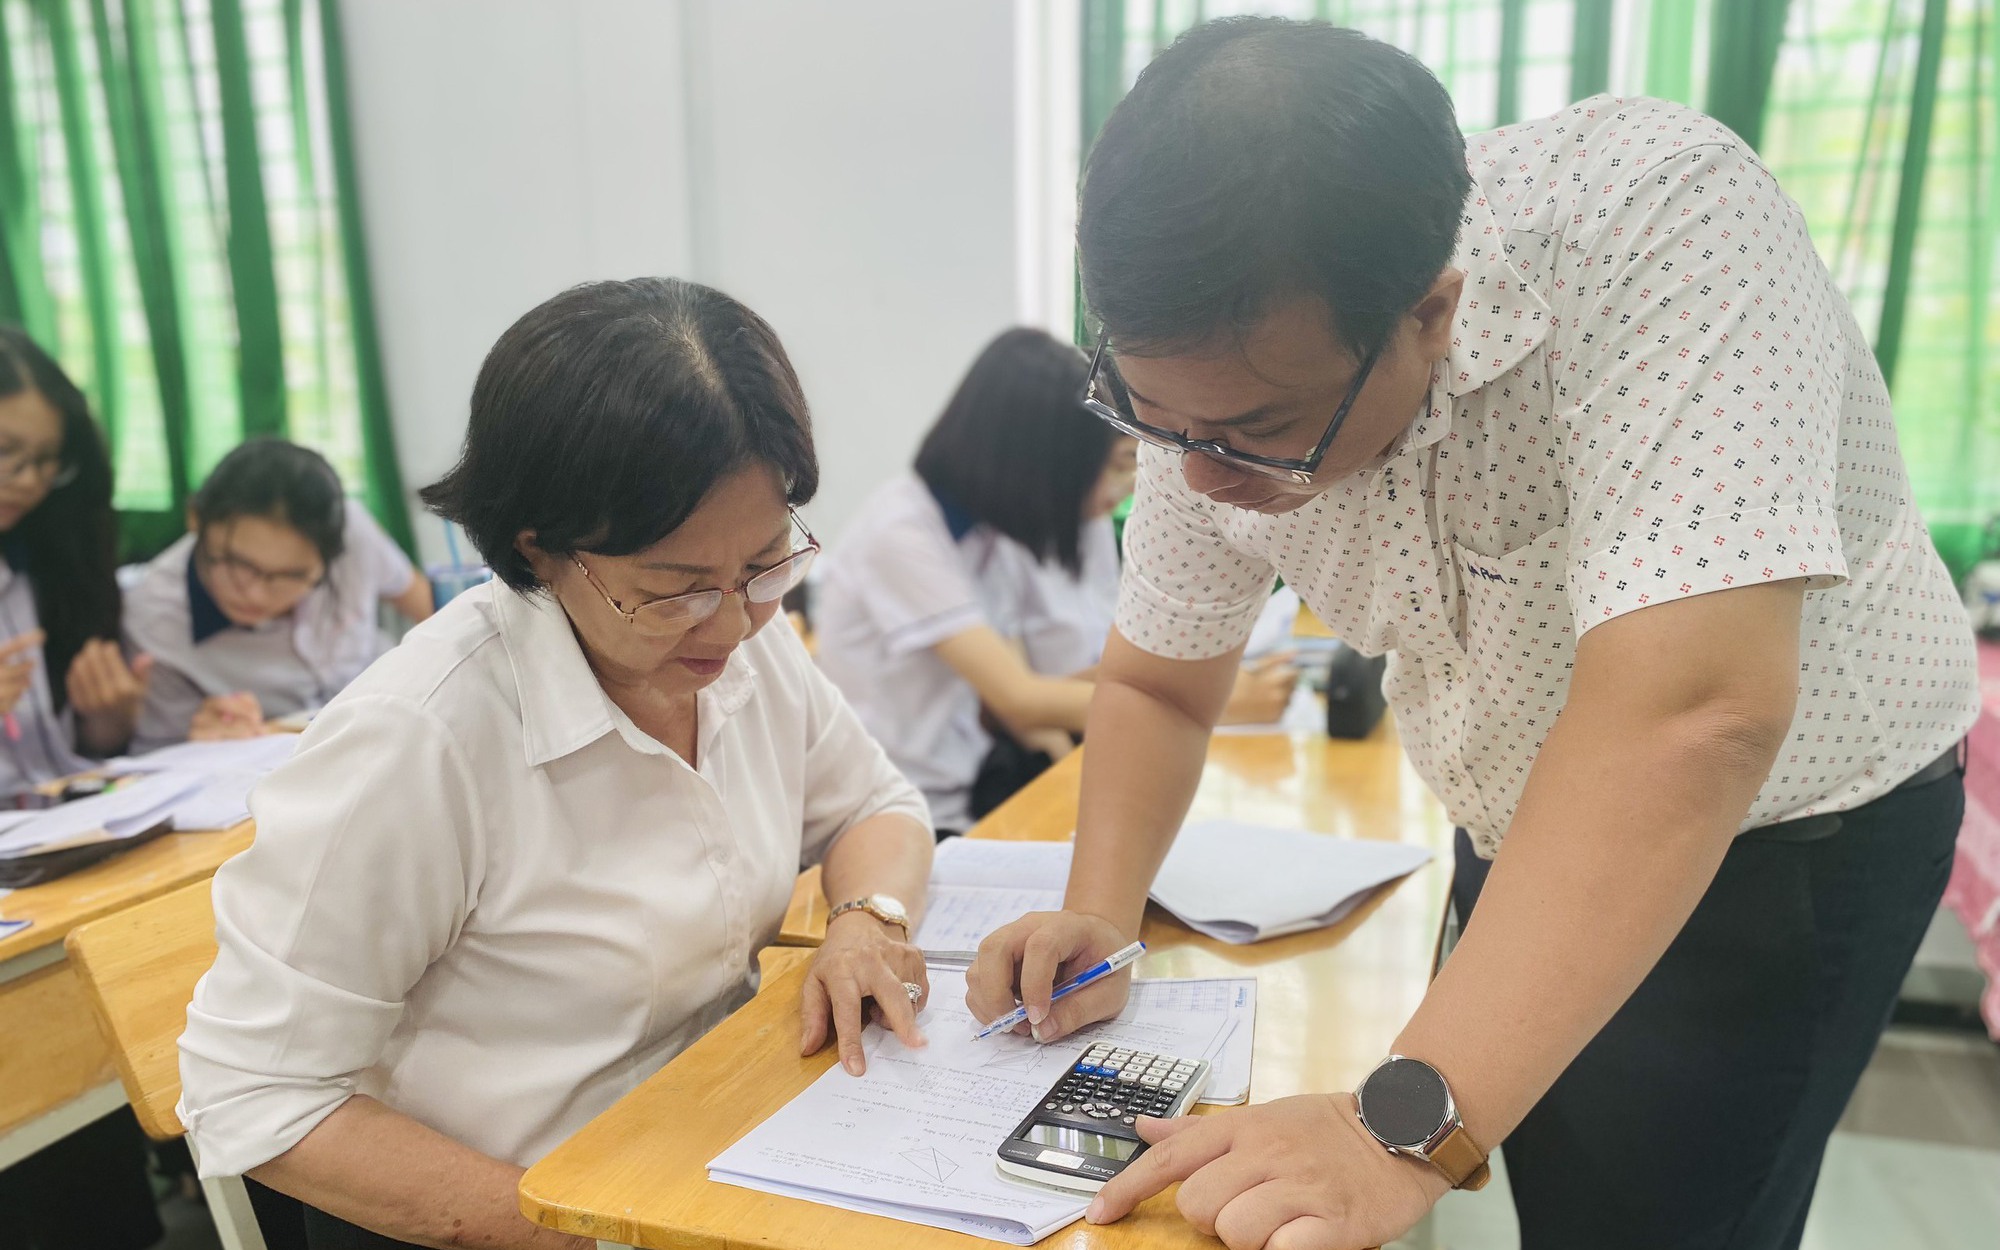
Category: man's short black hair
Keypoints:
(1015, 448)
(1259, 160)
(601, 418)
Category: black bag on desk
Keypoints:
(1354, 700)
(33, 869)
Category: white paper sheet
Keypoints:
(915, 1139)
(980, 884)
(1244, 883)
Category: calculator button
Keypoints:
(1069, 1106)
(1128, 1077)
(1150, 1082)
(1048, 1106)
(1173, 1087)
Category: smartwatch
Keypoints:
(1406, 1105)
(884, 907)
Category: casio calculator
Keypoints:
(1084, 1131)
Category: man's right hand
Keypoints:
(1024, 961)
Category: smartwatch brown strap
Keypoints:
(1461, 1160)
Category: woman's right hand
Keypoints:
(227, 716)
(17, 667)
(1023, 962)
(1262, 691)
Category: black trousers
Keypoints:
(1698, 1117)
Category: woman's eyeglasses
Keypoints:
(1298, 471)
(684, 611)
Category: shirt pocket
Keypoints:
(1520, 643)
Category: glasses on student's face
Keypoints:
(246, 576)
(45, 469)
(674, 613)
(1296, 470)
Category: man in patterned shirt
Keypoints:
(1588, 443)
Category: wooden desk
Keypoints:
(56, 1072)
(1329, 1004)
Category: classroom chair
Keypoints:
(139, 967)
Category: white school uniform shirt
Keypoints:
(47, 747)
(1655, 392)
(1065, 617)
(482, 895)
(294, 663)
(903, 578)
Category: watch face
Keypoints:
(889, 907)
(1404, 1103)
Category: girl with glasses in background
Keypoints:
(68, 696)
(268, 607)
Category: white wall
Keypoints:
(856, 172)
(855, 184)
(506, 149)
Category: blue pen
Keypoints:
(1122, 959)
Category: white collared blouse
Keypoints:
(482, 895)
(1655, 391)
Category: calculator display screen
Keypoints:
(1076, 1141)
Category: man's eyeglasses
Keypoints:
(684, 611)
(245, 575)
(1298, 471)
(46, 468)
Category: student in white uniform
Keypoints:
(268, 606)
(926, 608)
(531, 855)
(67, 694)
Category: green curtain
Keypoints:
(1878, 116)
(179, 224)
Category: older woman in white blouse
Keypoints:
(532, 853)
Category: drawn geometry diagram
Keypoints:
(1012, 1054)
(929, 1163)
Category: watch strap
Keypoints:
(868, 905)
(1461, 1160)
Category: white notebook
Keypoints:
(916, 1137)
(1234, 882)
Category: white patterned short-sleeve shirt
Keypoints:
(1655, 392)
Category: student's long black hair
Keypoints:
(1015, 448)
(69, 542)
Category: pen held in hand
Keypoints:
(1121, 959)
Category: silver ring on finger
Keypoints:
(915, 991)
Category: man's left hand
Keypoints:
(1296, 1174)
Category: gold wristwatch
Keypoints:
(1406, 1105)
(886, 908)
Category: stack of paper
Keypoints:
(1234, 882)
(916, 1137)
(115, 815)
(229, 771)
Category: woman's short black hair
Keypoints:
(1258, 160)
(69, 543)
(1015, 447)
(602, 417)
(281, 481)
